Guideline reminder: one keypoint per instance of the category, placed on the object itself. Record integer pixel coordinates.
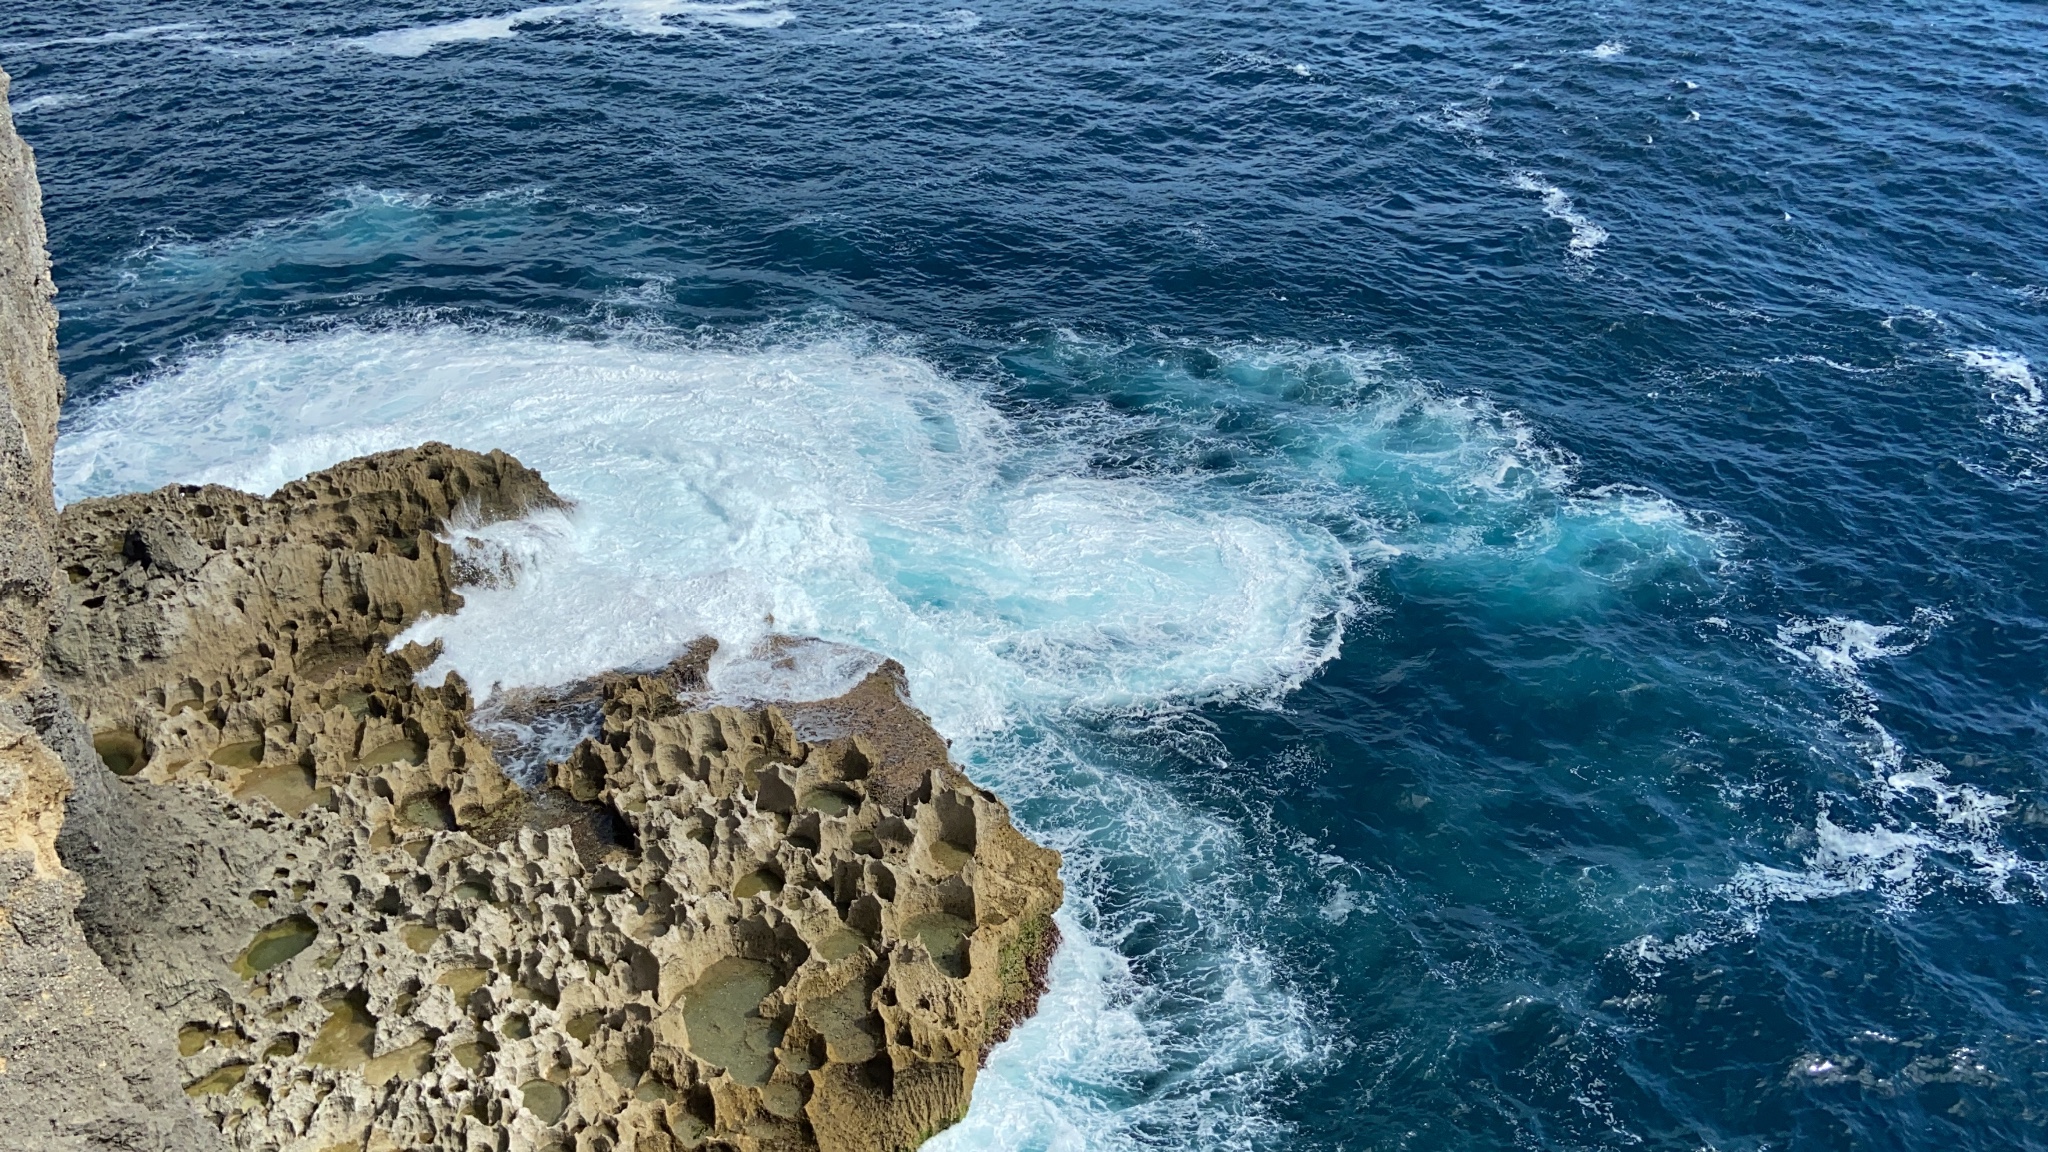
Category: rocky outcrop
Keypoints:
(205, 634)
(262, 887)
(834, 923)
(205, 630)
(82, 1064)
(220, 585)
(775, 928)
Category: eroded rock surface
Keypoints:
(836, 923)
(758, 928)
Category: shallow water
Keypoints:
(1504, 544)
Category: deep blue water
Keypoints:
(1506, 543)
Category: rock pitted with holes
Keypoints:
(771, 927)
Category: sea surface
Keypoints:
(1506, 543)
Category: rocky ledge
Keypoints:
(787, 926)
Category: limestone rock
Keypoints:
(209, 590)
(767, 928)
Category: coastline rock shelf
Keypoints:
(262, 888)
(784, 927)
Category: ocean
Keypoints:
(1506, 544)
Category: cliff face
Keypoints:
(82, 1065)
(262, 888)
(28, 423)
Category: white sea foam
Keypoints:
(1839, 646)
(1587, 236)
(843, 493)
(51, 102)
(1408, 470)
(1925, 832)
(1835, 365)
(1131, 1063)
(955, 22)
(1054, 1084)
(1469, 117)
(1607, 50)
(183, 30)
(643, 17)
(2013, 385)
(2008, 369)
(1264, 62)
(420, 40)
(1891, 861)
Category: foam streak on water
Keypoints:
(181, 30)
(645, 17)
(1927, 833)
(1587, 236)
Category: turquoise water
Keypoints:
(1504, 544)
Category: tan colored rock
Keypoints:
(212, 633)
(196, 588)
(32, 791)
(921, 917)
(777, 928)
